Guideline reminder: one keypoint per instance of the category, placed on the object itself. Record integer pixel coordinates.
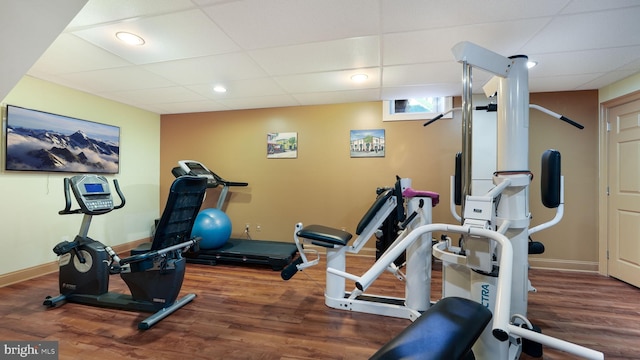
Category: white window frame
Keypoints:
(389, 114)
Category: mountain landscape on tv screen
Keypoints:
(45, 150)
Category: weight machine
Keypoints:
(490, 267)
(417, 268)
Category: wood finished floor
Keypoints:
(250, 313)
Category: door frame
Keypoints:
(603, 170)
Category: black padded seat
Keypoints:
(329, 237)
(446, 331)
(325, 236)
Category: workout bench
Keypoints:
(446, 331)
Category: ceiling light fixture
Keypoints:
(531, 63)
(359, 77)
(129, 38)
(219, 89)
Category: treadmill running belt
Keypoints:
(262, 252)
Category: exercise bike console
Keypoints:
(92, 193)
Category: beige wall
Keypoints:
(324, 185)
(620, 88)
(31, 225)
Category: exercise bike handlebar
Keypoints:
(67, 201)
(155, 253)
(120, 195)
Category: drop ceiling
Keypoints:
(272, 53)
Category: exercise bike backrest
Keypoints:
(93, 194)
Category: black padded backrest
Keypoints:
(183, 204)
(373, 209)
(446, 331)
(550, 179)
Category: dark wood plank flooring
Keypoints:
(248, 312)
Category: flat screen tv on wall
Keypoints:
(41, 141)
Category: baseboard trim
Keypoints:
(536, 263)
(561, 264)
(50, 267)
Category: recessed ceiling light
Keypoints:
(219, 89)
(359, 77)
(129, 38)
(531, 63)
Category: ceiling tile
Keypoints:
(158, 95)
(337, 97)
(328, 81)
(167, 37)
(435, 45)
(117, 79)
(596, 5)
(351, 53)
(420, 74)
(257, 24)
(588, 31)
(583, 62)
(410, 15)
(300, 52)
(209, 69)
(70, 54)
(241, 88)
(103, 11)
(260, 102)
(190, 106)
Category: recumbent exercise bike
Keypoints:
(154, 271)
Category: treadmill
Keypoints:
(275, 254)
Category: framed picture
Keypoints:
(282, 145)
(41, 141)
(367, 143)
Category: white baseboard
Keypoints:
(562, 264)
(536, 263)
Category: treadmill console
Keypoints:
(196, 168)
(92, 193)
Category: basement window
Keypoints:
(416, 109)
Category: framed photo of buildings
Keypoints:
(367, 143)
(282, 145)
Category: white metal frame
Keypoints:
(497, 223)
(417, 274)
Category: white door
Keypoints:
(624, 192)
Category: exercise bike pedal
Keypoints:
(52, 301)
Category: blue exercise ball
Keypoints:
(213, 226)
